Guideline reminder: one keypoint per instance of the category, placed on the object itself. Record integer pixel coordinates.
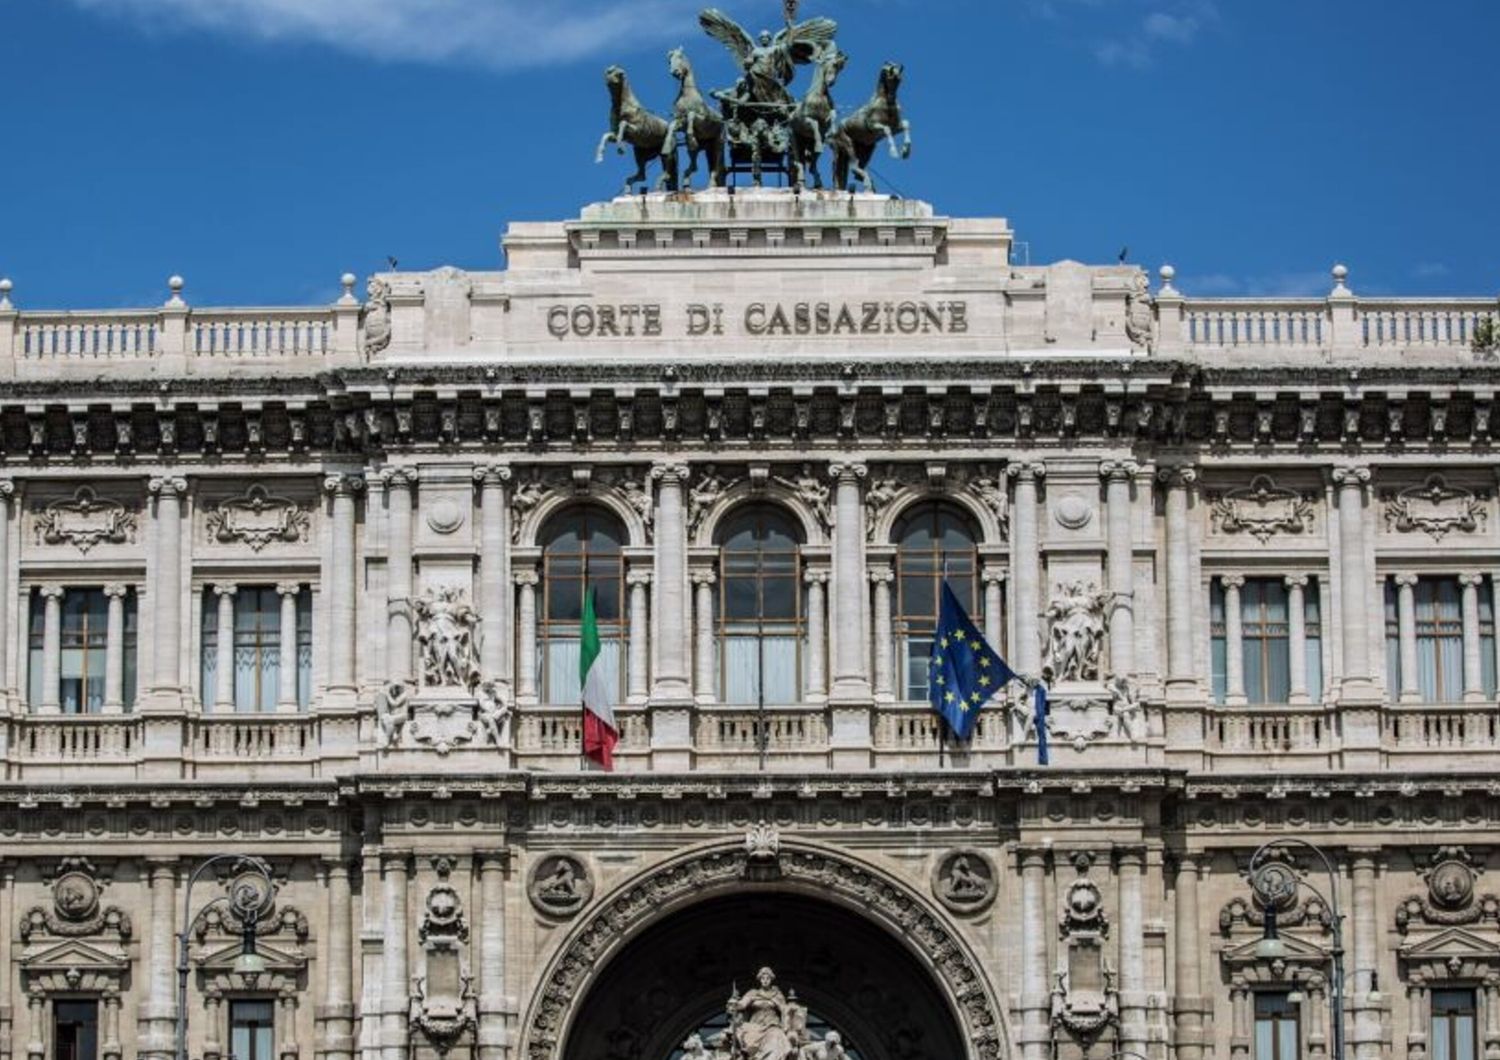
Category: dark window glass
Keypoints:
(930, 537)
(251, 1030)
(1455, 1018)
(1276, 1032)
(760, 607)
(75, 1030)
(581, 549)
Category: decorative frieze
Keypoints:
(1436, 509)
(258, 518)
(1262, 509)
(85, 521)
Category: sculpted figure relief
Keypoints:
(1075, 631)
(765, 1024)
(447, 629)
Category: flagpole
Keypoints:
(942, 722)
(762, 735)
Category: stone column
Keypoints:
(114, 649)
(1239, 1028)
(639, 677)
(110, 1047)
(1133, 992)
(336, 1016)
(526, 583)
(158, 991)
(494, 585)
(1469, 585)
(1296, 607)
(1406, 626)
(1234, 640)
(342, 587)
(1365, 954)
(493, 1004)
(7, 967)
(395, 982)
(51, 649)
(1026, 567)
(1491, 1037)
(286, 1024)
(286, 647)
(1190, 1004)
(223, 695)
(1036, 997)
(1118, 475)
(672, 686)
(705, 679)
(851, 683)
(213, 1024)
(1353, 602)
(994, 582)
(167, 580)
(1181, 680)
(36, 1012)
(399, 483)
(1416, 1019)
(881, 578)
(7, 597)
(817, 634)
(1315, 1012)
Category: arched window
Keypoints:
(760, 606)
(928, 537)
(580, 551)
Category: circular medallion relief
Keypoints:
(445, 517)
(1452, 885)
(1073, 512)
(75, 895)
(964, 881)
(559, 885)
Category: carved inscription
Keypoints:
(758, 319)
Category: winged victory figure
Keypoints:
(769, 63)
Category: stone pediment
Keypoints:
(74, 953)
(218, 957)
(1294, 951)
(1448, 943)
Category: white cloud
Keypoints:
(498, 34)
(1130, 33)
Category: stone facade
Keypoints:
(296, 583)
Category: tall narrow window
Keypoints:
(1440, 640)
(1454, 1025)
(251, 1030)
(760, 607)
(1392, 639)
(1313, 632)
(580, 551)
(929, 538)
(304, 647)
(1218, 644)
(1487, 637)
(1276, 1033)
(75, 1030)
(256, 648)
(1266, 647)
(85, 627)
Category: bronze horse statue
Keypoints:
(631, 123)
(702, 129)
(813, 119)
(857, 136)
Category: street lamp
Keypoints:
(249, 899)
(1275, 882)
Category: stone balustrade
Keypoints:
(1299, 327)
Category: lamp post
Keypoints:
(249, 900)
(1274, 882)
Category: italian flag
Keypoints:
(599, 732)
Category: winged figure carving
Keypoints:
(769, 62)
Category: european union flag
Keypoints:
(964, 671)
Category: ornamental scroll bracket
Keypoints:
(1436, 509)
(1262, 509)
(85, 521)
(258, 519)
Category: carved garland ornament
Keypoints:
(76, 910)
(1436, 509)
(1450, 900)
(85, 521)
(1262, 510)
(258, 519)
(704, 872)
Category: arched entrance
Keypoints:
(865, 954)
(674, 979)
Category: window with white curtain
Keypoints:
(257, 648)
(1438, 605)
(1277, 1036)
(581, 550)
(1455, 1019)
(1265, 640)
(84, 629)
(252, 1028)
(932, 537)
(760, 607)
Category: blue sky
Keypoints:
(262, 147)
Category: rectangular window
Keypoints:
(1487, 637)
(1440, 640)
(251, 1030)
(75, 1030)
(256, 648)
(1454, 1025)
(1313, 625)
(304, 647)
(1265, 640)
(83, 628)
(1392, 640)
(1218, 642)
(1276, 1032)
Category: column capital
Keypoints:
(1470, 578)
(116, 590)
(1032, 857)
(1406, 579)
(1295, 581)
(701, 576)
(881, 575)
(343, 485)
(492, 860)
(1232, 581)
(847, 470)
(1118, 470)
(50, 592)
(815, 575)
(1133, 857)
(638, 575)
(492, 475)
(1351, 476)
(994, 574)
(394, 478)
(396, 860)
(1027, 470)
(7, 489)
(1177, 476)
(669, 473)
(224, 591)
(288, 588)
(526, 578)
(167, 486)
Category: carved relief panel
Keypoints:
(1264, 512)
(85, 521)
(1434, 509)
(257, 518)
